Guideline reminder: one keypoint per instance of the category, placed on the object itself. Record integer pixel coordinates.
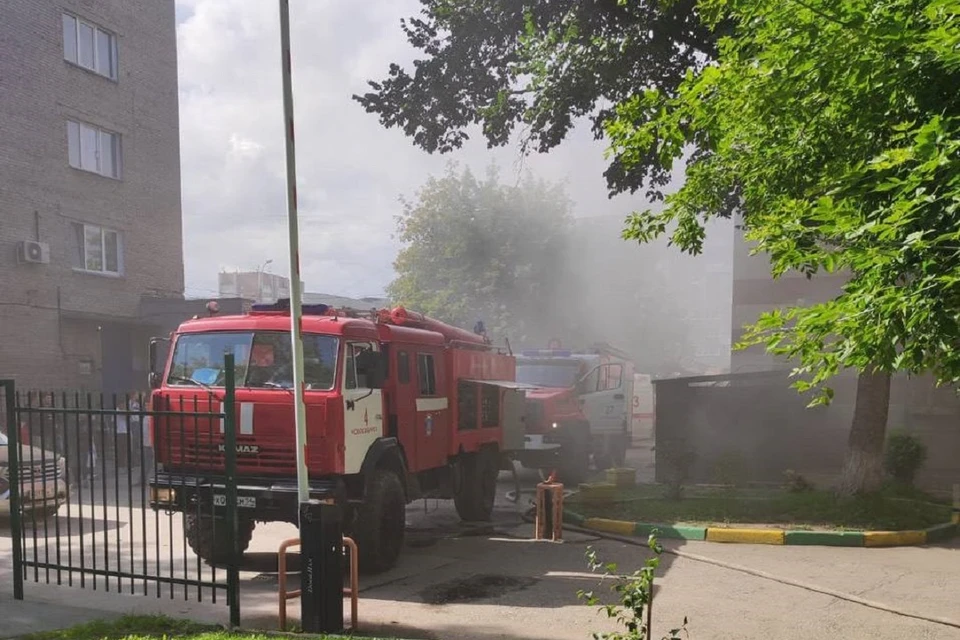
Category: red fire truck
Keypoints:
(580, 405)
(399, 406)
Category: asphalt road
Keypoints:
(455, 581)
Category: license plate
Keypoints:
(245, 502)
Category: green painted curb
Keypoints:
(935, 533)
(941, 532)
(825, 538)
(671, 531)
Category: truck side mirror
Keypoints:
(155, 378)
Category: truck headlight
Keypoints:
(554, 425)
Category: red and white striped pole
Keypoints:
(296, 310)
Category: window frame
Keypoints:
(350, 363)
(76, 160)
(80, 233)
(243, 364)
(431, 375)
(113, 64)
(608, 377)
(403, 367)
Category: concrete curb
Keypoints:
(781, 537)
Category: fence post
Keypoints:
(13, 448)
(230, 455)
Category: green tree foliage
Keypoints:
(534, 67)
(478, 249)
(835, 128)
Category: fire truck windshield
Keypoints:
(262, 359)
(559, 374)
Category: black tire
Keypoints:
(48, 512)
(210, 541)
(380, 523)
(476, 485)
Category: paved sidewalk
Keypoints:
(19, 618)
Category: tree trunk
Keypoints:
(863, 467)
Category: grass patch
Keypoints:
(890, 510)
(156, 628)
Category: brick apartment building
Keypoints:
(90, 218)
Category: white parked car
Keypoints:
(42, 478)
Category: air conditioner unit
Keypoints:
(29, 251)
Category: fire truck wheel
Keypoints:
(380, 522)
(477, 486)
(211, 542)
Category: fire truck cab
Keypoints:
(582, 404)
(398, 407)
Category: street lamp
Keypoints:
(260, 279)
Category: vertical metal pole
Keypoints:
(296, 312)
(230, 455)
(16, 526)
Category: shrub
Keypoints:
(795, 483)
(904, 456)
(730, 469)
(678, 459)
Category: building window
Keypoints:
(89, 46)
(99, 250)
(93, 149)
(427, 374)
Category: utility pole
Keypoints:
(296, 311)
(321, 541)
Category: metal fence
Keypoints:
(87, 509)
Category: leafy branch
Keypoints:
(634, 592)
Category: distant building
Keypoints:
(917, 403)
(90, 215)
(253, 285)
(361, 304)
(755, 291)
(267, 287)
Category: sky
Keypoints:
(351, 171)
